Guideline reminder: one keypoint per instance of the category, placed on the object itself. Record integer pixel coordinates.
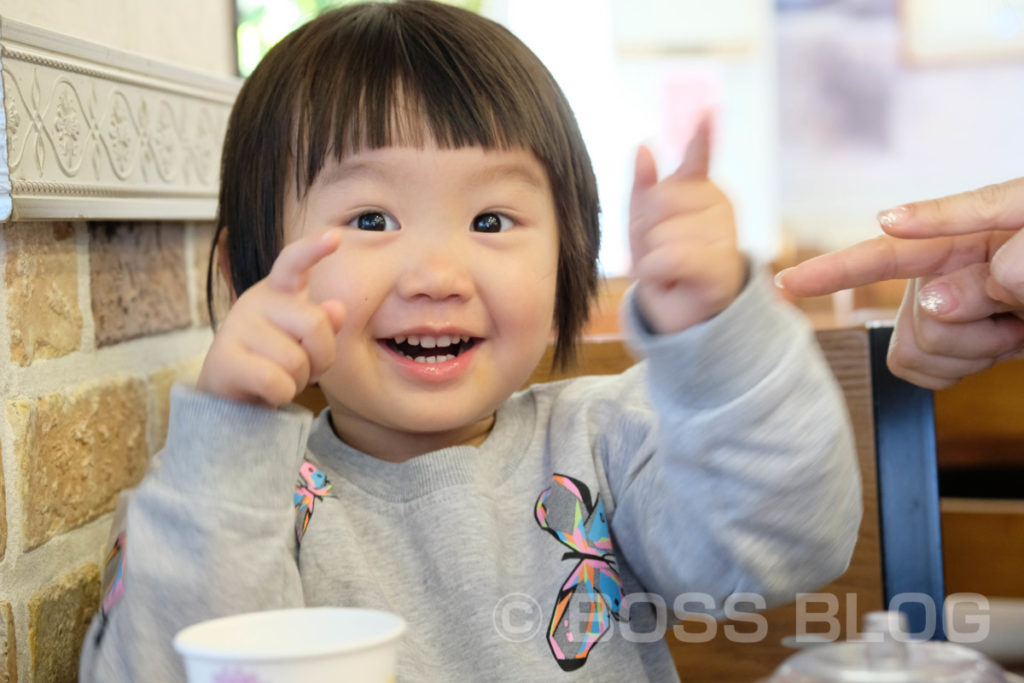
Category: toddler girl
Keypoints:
(407, 213)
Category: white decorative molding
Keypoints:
(87, 131)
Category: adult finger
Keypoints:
(874, 260)
(961, 296)
(1008, 271)
(993, 207)
(987, 338)
(908, 358)
(290, 272)
(938, 378)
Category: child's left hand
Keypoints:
(683, 238)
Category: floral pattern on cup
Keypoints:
(236, 676)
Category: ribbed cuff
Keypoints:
(721, 358)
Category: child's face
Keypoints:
(469, 248)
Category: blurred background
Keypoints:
(825, 111)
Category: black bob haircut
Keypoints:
(378, 74)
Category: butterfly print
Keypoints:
(590, 598)
(313, 486)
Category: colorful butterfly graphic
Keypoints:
(592, 594)
(313, 486)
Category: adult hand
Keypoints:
(275, 340)
(964, 306)
(683, 241)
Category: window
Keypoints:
(261, 23)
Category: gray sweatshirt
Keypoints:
(556, 550)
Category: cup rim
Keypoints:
(196, 650)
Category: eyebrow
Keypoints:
(513, 171)
(496, 172)
(337, 173)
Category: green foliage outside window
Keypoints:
(261, 23)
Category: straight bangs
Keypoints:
(396, 75)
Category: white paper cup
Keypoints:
(293, 646)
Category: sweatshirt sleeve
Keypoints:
(209, 532)
(749, 483)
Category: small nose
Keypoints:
(438, 272)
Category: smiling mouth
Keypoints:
(424, 349)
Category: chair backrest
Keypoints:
(908, 493)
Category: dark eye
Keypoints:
(491, 222)
(374, 220)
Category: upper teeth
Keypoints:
(432, 342)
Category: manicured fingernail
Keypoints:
(891, 217)
(778, 277)
(936, 299)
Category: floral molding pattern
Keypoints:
(90, 132)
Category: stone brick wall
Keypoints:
(97, 321)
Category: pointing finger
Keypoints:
(874, 260)
(993, 207)
(290, 272)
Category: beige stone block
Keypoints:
(138, 280)
(202, 236)
(42, 291)
(160, 383)
(58, 617)
(8, 646)
(76, 452)
(3, 516)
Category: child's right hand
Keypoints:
(275, 340)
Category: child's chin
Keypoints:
(457, 428)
